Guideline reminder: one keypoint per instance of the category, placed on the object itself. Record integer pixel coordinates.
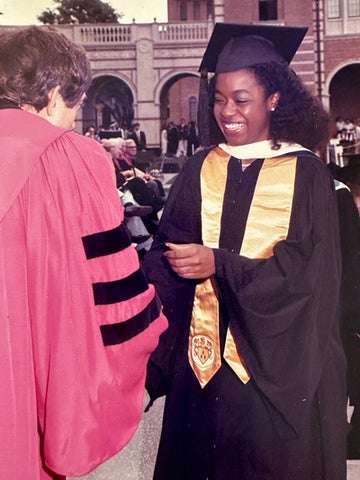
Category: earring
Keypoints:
(272, 109)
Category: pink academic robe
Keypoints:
(78, 320)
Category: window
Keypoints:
(196, 10)
(333, 9)
(183, 11)
(192, 108)
(268, 10)
(354, 8)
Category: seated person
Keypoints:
(156, 187)
(114, 147)
(142, 186)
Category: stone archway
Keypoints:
(344, 90)
(109, 100)
(178, 98)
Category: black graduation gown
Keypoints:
(290, 418)
(350, 289)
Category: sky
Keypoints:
(24, 12)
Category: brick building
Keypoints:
(149, 72)
(329, 58)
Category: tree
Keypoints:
(79, 11)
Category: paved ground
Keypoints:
(353, 470)
(136, 461)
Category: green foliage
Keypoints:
(79, 11)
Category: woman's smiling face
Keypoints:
(241, 108)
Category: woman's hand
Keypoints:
(191, 260)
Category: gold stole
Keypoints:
(267, 224)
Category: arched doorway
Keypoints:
(344, 92)
(109, 101)
(179, 99)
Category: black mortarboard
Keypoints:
(235, 46)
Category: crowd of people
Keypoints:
(347, 129)
(142, 195)
(241, 305)
(179, 140)
(134, 133)
(346, 134)
(146, 191)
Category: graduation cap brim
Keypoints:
(285, 40)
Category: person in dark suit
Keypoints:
(193, 139)
(173, 139)
(183, 131)
(139, 137)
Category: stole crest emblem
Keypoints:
(202, 351)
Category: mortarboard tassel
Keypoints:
(203, 110)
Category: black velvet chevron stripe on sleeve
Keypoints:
(106, 243)
(120, 290)
(121, 332)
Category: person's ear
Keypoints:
(54, 97)
(273, 101)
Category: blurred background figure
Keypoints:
(138, 136)
(163, 140)
(173, 139)
(193, 139)
(91, 133)
(183, 131)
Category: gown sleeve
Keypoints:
(180, 223)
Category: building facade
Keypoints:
(149, 72)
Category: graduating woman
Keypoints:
(247, 264)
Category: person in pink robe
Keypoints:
(78, 318)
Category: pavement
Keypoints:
(353, 470)
(136, 461)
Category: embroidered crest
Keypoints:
(202, 351)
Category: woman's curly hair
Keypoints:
(35, 60)
(299, 116)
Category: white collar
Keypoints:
(260, 149)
